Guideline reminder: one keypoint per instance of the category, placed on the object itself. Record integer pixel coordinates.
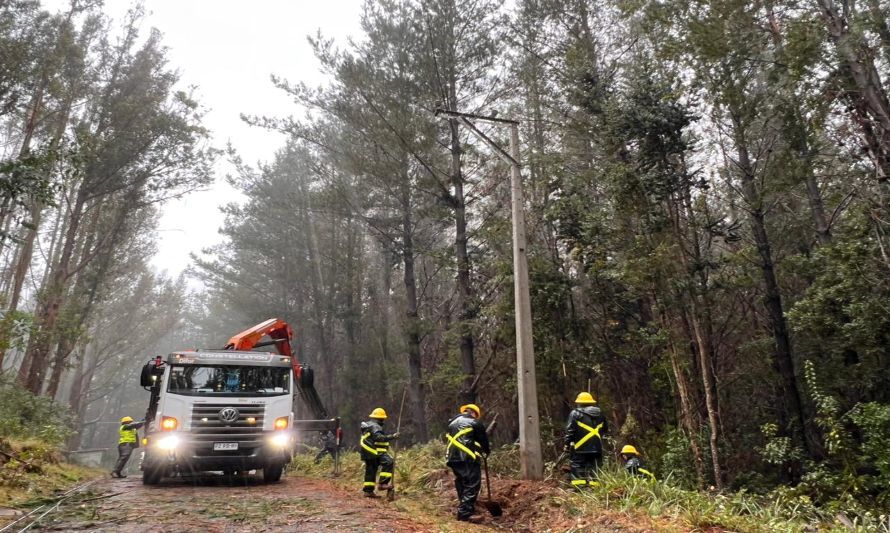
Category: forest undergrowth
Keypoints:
(424, 485)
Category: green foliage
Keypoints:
(778, 450)
(853, 479)
(14, 329)
(25, 415)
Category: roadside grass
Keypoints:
(423, 482)
(32, 471)
(419, 475)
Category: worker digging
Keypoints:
(467, 444)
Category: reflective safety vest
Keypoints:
(127, 436)
(591, 432)
(453, 441)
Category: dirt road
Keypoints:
(213, 504)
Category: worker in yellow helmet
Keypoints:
(584, 441)
(128, 440)
(374, 449)
(633, 463)
(467, 442)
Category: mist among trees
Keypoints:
(707, 200)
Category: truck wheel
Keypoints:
(272, 473)
(151, 476)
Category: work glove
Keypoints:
(395, 435)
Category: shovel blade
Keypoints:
(493, 508)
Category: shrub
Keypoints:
(26, 416)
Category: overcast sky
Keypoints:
(228, 49)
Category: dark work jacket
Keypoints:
(589, 415)
(373, 441)
(465, 433)
(635, 467)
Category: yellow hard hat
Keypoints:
(629, 450)
(378, 413)
(126, 420)
(472, 407)
(584, 397)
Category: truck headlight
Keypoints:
(170, 442)
(169, 423)
(281, 422)
(281, 440)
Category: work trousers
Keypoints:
(584, 469)
(467, 482)
(325, 451)
(124, 451)
(384, 463)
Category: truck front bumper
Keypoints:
(174, 452)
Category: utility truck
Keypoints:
(229, 410)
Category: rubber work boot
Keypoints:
(385, 487)
(371, 495)
(473, 519)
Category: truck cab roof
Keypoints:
(228, 357)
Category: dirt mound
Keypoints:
(540, 506)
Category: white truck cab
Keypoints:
(218, 410)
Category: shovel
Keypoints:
(493, 507)
(391, 493)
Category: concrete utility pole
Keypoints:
(530, 459)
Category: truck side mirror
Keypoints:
(146, 375)
(151, 373)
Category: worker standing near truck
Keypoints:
(374, 448)
(467, 441)
(128, 440)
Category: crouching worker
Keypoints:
(584, 441)
(633, 464)
(328, 447)
(467, 441)
(128, 440)
(375, 453)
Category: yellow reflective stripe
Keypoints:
(579, 482)
(382, 450)
(591, 432)
(369, 484)
(648, 473)
(453, 440)
(361, 441)
(385, 474)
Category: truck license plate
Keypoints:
(222, 446)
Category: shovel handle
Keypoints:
(487, 477)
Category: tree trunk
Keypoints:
(687, 415)
(34, 365)
(416, 392)
(703, 347)
(857, 61)
(783, 356)
(466, 313)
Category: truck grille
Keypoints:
(207, 427)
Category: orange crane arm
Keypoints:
(278, 330)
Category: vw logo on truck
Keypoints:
(227, 415)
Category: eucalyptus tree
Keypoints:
(139, 142)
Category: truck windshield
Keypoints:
(229, 380)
